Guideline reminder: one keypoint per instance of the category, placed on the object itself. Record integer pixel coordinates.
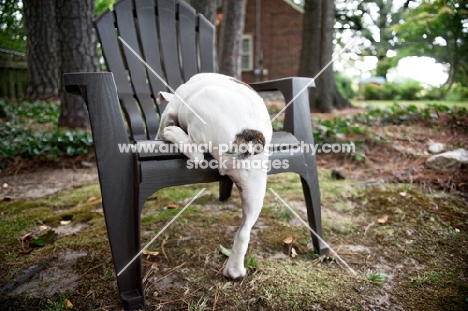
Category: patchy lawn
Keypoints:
(405, 235)
(409, 249)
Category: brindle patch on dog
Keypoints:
(254, 138)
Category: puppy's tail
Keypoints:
(247, 143)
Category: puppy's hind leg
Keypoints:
(252, 186)
(177, 136)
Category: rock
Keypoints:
(337, 175)
(436, 148)
(448, 161)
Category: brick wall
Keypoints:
(281, 38)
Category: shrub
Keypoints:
(371, 91)
(432, 93)
(29, 129)
(344, 85)
(458, 92)
(389, 91)
(410, 89)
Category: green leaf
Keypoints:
(47, 238)
(226, 252)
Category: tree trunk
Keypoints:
(232, 27)
(78, 53)
(41, 31)
(207, 8)
(316, 53)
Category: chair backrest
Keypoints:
(173, 40)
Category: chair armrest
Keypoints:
(100, 94)
(296, 93)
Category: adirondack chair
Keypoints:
(177, 43)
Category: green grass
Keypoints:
(56, 305)
(424, 278)
(378, 278)
(417, 103)
(281, 283)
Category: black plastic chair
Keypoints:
(177, 43)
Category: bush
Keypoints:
(389, 91)
(29, 129)
(344, 85)
(372, 92)
(458, 92)
(432, 93)
(410, 89)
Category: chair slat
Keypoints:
(105, 27)
(111, 50)
(187, 39)
(127, 30)
(168, 37)
(206, 40)
(146, 17)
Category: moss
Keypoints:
(419, 237)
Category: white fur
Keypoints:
(228, 106)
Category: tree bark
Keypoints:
(316, 53)
(232, 27)
(41, 31)
(207, 8)
(78, 53)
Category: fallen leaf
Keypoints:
(288, 240)
(150, 253)
(44, 228)
(226, 252)
(47, 238)
(293, 253)
(26, 251)
(68, 304)
(172, 206)
(91, 199)
(26, 236)
(383, 219)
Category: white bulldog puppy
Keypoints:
(228, 115)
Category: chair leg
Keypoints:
(122, 217)
(225, 189)
(311, 192)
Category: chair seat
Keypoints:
(161, 149)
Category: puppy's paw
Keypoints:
(172, 134)
(234, 271)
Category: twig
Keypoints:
(216, 296)
(183, 297)
(171, 271)
(18, 169)
(25, 275)
(151, 269)
(368, 227)
(83, 274)
(162, 246)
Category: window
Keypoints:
(247, 53)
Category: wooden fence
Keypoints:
(13, 73)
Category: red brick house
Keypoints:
(276, 52)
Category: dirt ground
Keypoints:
(401, 227)
(42, 182)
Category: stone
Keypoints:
(448, 161)
(436, 148)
